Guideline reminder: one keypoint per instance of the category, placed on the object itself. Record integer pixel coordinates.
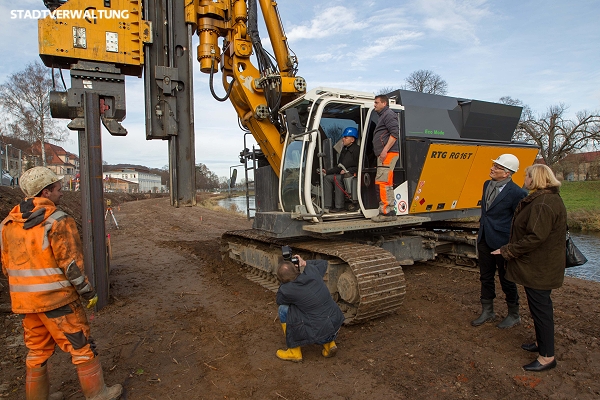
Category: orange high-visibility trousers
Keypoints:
(66, 327)
(385, 180)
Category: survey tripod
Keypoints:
(110, 211)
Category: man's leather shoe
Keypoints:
(536, 366)
(335, 210)
(532, 347)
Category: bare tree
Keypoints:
(386, 90)
(426, 81)
(556, 135)
(205, 178)
(24, 96)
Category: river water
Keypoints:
(239, 202)
(588, 243)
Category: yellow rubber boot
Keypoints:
(294, 354)
(329, 349)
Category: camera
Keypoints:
(286, 251)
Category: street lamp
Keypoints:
(232, 183)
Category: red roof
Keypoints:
(53, 153)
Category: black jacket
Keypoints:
(348, 158)
(313, 315)
(495, 221)
(535, 254)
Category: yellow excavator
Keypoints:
(447, 144)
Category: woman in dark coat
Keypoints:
(535, 256)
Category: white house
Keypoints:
(146, 181)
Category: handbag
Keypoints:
(574, 256)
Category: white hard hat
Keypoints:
(34, 180)
(508, 161)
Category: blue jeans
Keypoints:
(283, 312)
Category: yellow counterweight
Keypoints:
(453, 175)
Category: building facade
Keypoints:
(579, 167)
(145, 181)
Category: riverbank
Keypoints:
(583, 206)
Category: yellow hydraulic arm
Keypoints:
(256, 93)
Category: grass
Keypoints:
(581, 196)
(582, 200)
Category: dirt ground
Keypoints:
(183, 324)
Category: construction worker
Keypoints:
(307, 312)
(333, 179)
(387, 150)
(43, 260)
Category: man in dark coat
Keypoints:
(499, 200)
(307, 312)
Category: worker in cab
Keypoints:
(333, 180)
(43, 260)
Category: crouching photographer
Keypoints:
(307, 312)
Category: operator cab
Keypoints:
(315, 124)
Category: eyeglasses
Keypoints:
(497, 167)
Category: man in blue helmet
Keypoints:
(334, 177)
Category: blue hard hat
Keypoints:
(350, 131)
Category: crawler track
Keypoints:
(377, 276)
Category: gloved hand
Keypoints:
(92, 302)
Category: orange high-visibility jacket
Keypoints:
(42, 257)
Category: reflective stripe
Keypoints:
(86, 289)
(41, 287)
(78, 281)
(34, 272)
(57, 215)
(49, 223)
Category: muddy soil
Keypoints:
(184, 324)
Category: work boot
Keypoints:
(487, 313)
(329, 349)
(294, 354)
(37, 385)
(512, 319)
(381, 217)
(92, 382)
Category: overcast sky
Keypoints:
(541, 52)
